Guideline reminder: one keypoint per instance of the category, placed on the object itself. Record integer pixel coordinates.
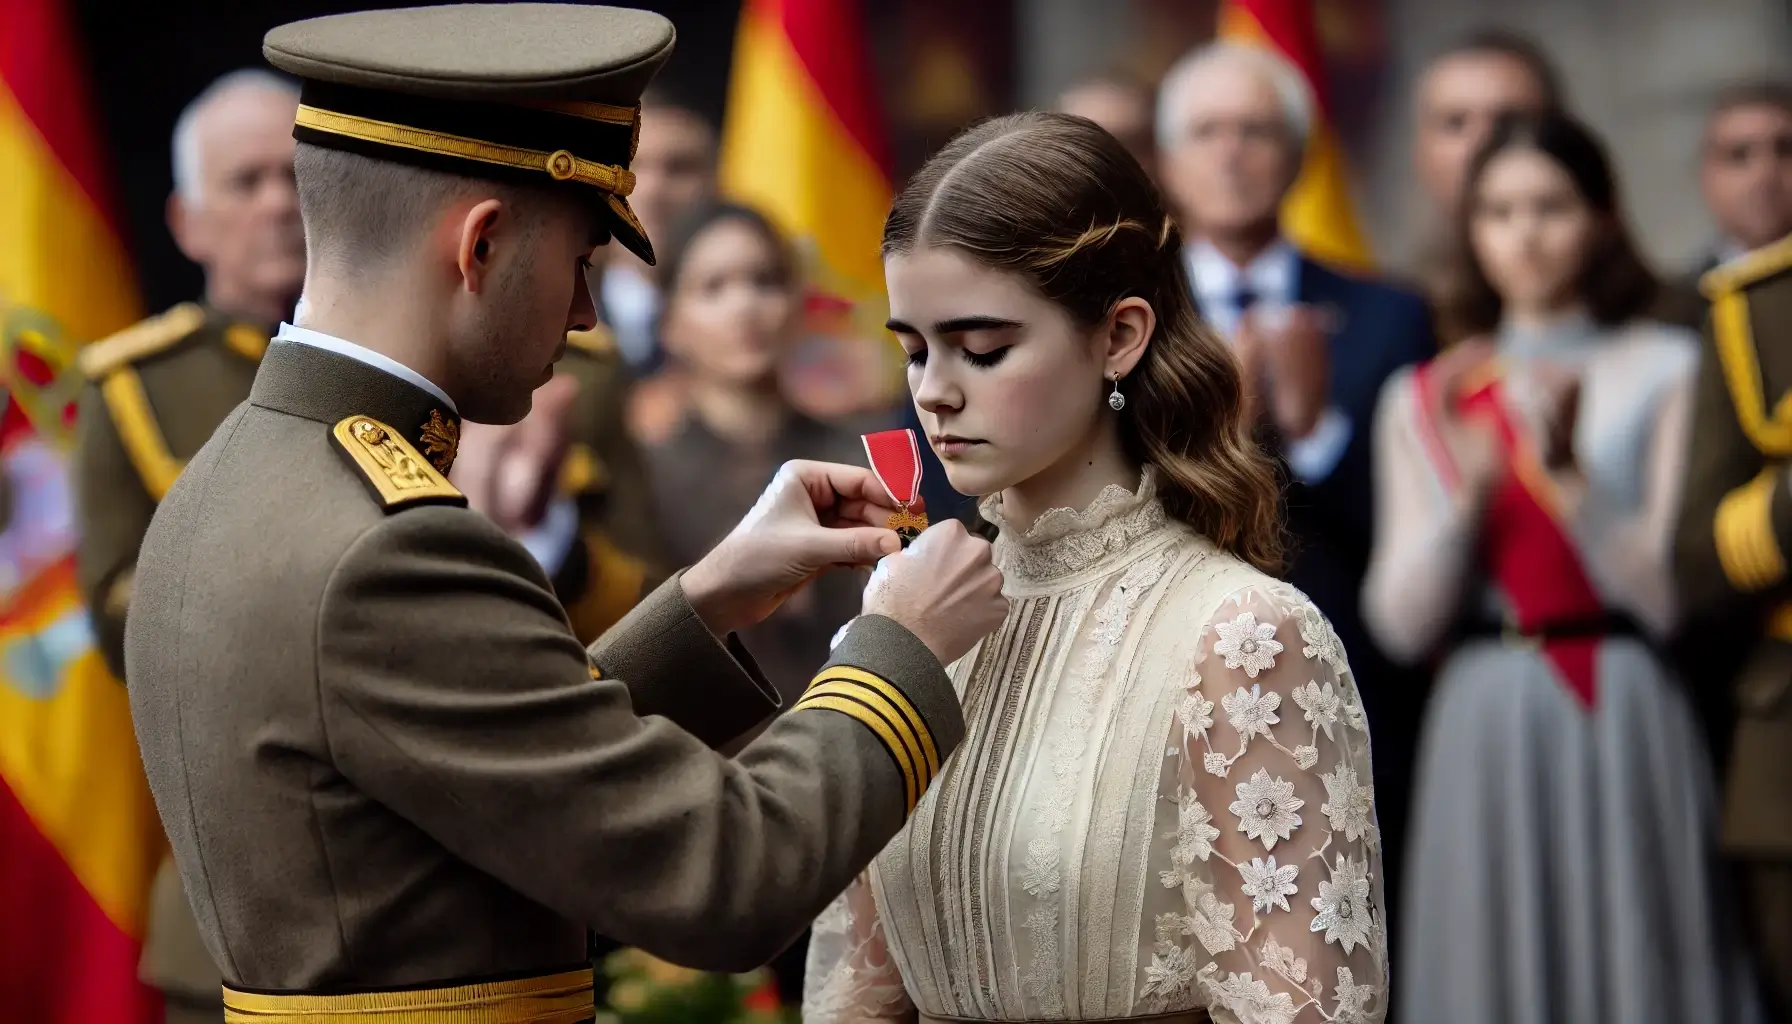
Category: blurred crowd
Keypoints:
(1546, 800)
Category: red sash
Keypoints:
(1524, 545)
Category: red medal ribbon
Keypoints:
(896, 461)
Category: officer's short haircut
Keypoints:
(360, 211)
(1513, 45)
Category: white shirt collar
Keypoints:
(1272, 277)
(361, 354)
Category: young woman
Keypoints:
(1526, 493)
(1162, 806)
(734, 305)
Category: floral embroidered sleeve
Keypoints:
(849, 975)
(1276, 855)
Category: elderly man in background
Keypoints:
(157, 390)
(1316, 346)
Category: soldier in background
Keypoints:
(157, 390)
(1735, 530)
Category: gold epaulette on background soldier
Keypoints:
(156, 334)
(1732, 332)
(397, 474)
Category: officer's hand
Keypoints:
(509, 471)
(813, 517)
(945, 588)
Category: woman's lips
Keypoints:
(948, 445)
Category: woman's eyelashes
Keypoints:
(982, 360)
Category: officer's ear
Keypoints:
(478, 227)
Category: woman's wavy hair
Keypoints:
(1059, 202)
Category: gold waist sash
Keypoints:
(564, 998)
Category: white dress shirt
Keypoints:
(549, 540)
(1273, 280)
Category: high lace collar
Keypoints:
(1064, 542)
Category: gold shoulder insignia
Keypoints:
(144, 339)
(397, 473)
(598, 341)
(1746, 270)
(1769, 428)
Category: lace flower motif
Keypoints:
(1267, 884)
(1320, 639)
(1216, 764)
(1348, 805)
(1212, 922)
(1252, 711)
(1342, 906)
(1283, 959)
(1195, 713)
(1266, 808)
(1169, 974)
(1194, 834)
(1353, 999)
(1322, 706)
(1248, 644)
(1306, 757)
(1251, 1001)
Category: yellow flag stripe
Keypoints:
(59, 255)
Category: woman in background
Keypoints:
(734, 305)
(1526, 493)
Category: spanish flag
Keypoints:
(79, 838)
(1317, 214)
(804, 141)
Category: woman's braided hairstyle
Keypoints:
(1058, 201)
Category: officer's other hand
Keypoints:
(945, 588)
(814, 516)
(509, 471)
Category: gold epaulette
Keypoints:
(598, 341)
(1746, 270)
(154, 335)
(396, 473)
(1769, 429)
(882, 707)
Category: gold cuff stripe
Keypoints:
(142, 438)
(559, 165)
(1771, 432)
(1743, 529)
(550, 999)
(879, 719)
(929, 752)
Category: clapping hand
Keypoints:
(1560, 401)
(1473, 443)
(1285, 350)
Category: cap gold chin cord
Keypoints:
(560, 164)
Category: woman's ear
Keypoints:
(1129, 330)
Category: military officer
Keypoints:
(1731, 548)
(395, 783)
(156, 391)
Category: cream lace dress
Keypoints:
(1162, 804)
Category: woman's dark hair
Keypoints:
(1514, 46)
(697, 223)
(1614, 282)
(1059, 202)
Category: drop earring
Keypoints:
(1116, 400)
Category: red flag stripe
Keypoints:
(64, 959)
(1291, 27)
(39, 65)
(828, 39)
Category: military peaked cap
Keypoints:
(529, 93)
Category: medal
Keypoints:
(895, 457)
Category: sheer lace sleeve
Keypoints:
(1276, 854)
(849, 975)
(1425, 535)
